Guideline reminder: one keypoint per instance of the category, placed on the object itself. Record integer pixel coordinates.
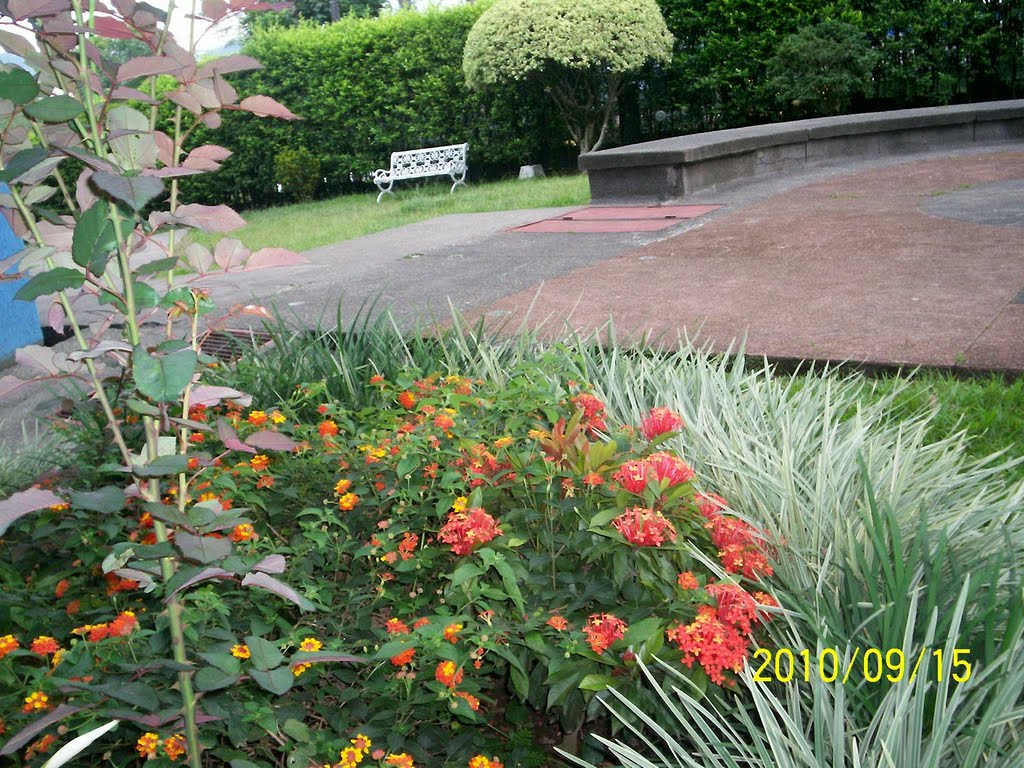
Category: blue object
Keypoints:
(19, 321)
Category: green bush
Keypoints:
(821, 69)
(298, 173)
(366, 87)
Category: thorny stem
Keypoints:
(56, 171)
(151, 490)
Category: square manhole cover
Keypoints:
(648, 218)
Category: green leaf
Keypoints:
(604, 517)
(595, 682)
(94, 239)
(461, 709)
(203, 549)
(277, 681)
(213, 679)
(163, 377)
(264, 655)
(157, 266)
(24, 161)
(508, 578)
(162, 466)
(18, 86)
(138, 695)
(51, 281)
(464, 573)
(535, 642)
(107, 500)
(55, 109)
(297, 729)
(642, 631)
(142, 407)
(135, 191)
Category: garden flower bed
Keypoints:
(462, 559)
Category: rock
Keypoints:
(531, 172)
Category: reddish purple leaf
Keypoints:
(147, 66)
(274, 257)
(124, 93)
(264, 106)
(84, 196)
(204, 575)
(24, 503)
(199, 258)
(230, 253)
(270, 441)
(207, 157)
(230, 438)
(280, 589)
(215, 10)
(108, 26)
(271, 564)
(170, 173)
(25, 735)
(22, 9)
(205, 94)
(208, 395)
(89, 159)
(209, 218)
(10, 383)
(56, 318)
(225, 92)
(186, 100)
(227, 65)
(211, 120)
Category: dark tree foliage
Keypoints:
(928, 52)
(820, 70)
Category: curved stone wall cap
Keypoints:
(712, 144)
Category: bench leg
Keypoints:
(459, 181)
(384, 189)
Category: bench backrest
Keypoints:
(432, 161)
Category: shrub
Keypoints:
(298, 173)
(821, 69)
(483, 546)
(582, 51)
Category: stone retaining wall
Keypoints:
(671, 169)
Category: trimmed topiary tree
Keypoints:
(583, 51)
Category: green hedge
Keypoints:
(366, 88)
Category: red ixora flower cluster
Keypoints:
(740, 545)
(719, 638)
(659, 422)
(661, 467)
(644, 527)
(603, 629)
(468, 529)
(593, 412)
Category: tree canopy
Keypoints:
(582, 50)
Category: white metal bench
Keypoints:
(419, 163)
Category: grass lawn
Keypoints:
(309, 225)
(990, 409)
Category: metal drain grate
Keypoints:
(230, 344)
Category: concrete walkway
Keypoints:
(919, 262)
